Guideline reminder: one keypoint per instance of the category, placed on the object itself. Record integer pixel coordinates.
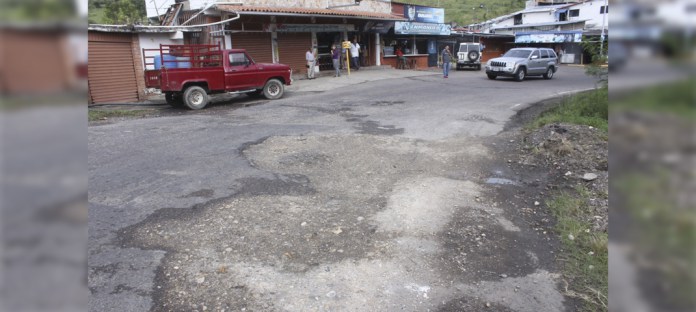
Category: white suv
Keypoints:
(469, 55)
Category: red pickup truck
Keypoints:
(188, 74)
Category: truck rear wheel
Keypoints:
(273, 89)
(195, 97)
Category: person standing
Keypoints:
(446, 59)
(336, 58)
(355, 54)
(400, 59)
(311, 62)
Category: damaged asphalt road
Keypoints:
(372, 198)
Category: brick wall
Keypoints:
(138, 66)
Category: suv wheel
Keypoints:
(549, 73)
(195, 97)
(520, 74)
(491, 76)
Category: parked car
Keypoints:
(188, 74)
(522, 62)
(469, 55)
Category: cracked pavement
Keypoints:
(367, 197)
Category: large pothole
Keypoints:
(366, 231)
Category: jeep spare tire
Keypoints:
(473, 55)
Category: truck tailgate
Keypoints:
(152, 78)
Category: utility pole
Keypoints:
(604, 24)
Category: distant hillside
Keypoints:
(465, 12)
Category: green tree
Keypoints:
(124, 12)
(37, 10)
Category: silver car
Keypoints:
(521, 62)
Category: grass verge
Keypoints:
(676, 98)
(95, 115)
(585, 254)
(588, 108)
(667, 231)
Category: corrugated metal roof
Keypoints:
(142, 28)
(305, 11)
(540, 24)
(545, 8)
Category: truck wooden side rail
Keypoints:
(187, 74)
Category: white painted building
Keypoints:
(581, 15)
(594, 13)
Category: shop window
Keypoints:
(604, 9)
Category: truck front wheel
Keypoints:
(195, 97)
(273, 89)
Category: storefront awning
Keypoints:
(548, 37)
(260, 10)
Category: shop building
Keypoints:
(274, 33)
(420, 35)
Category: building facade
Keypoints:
(282, 31)
(561, 25)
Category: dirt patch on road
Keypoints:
(389, 224)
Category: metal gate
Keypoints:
(292, 48)
(111, 70)
(257, 45)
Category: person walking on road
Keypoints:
(446, 59)
(355, 54)
(336, 58)
(311, 62)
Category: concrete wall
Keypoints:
(538, 17)
(506, 22)
(152, 41)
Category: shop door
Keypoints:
(292, 48)
(257, 45)
(111, 70)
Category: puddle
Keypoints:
(501, 181)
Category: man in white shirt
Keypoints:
(355, 54)
(311, 62)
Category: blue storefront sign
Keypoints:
(414, 28)
(548, 37)
(421, 14)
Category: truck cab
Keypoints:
(188, 74)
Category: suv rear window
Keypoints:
(552, 54)
(544, 53)
(469, 47)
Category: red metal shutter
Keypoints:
(111, 71)
(292, 48)
(257, 45)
